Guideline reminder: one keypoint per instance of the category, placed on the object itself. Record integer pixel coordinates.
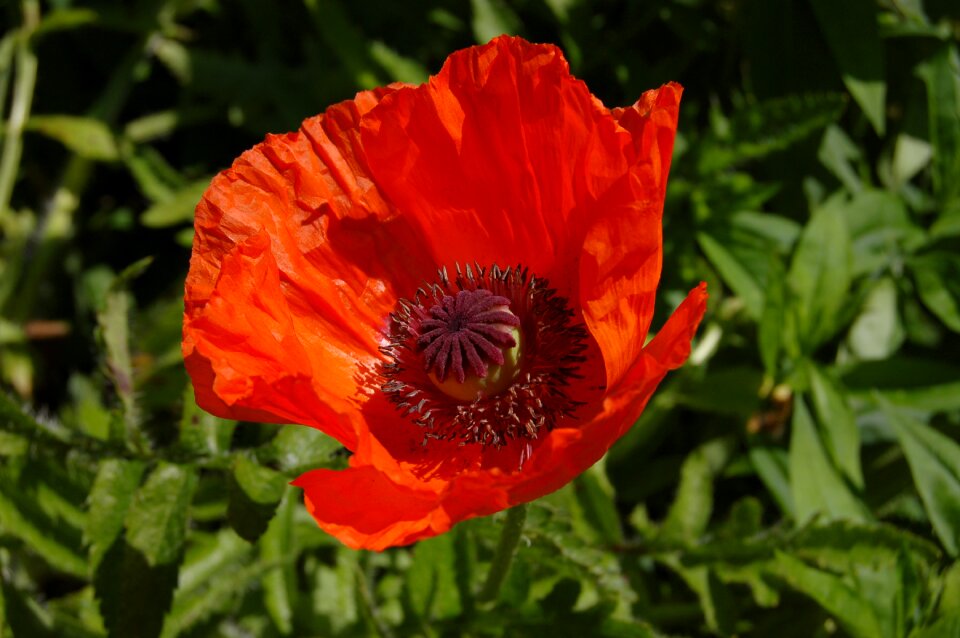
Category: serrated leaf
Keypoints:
(178, 209)
(157, 519)
(110, 498)
(22, 519)
(941, 73)
(123, 576)
(761, 129)
(215, 572)
(201, 432)
(432, 579)
(816, 485)
(839, 426)
(934, 460)
(860, 58)
(819, 278)
(277, 550)
(298, 449)
(84, 136)
(113, 318)
(253, 494)
(693, 505)
(854, 613)
(596, 501)
(334, 598)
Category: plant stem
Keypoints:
(20, 106)
(506, 548)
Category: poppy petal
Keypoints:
(378, 507)
(299, 215)
(499, 158)
(622, 252)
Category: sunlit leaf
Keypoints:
(816, 485)
(819, 277)
(157, 519)
(839, 427)
(84, 136)
(935, 464)
(110, 498)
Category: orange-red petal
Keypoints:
(622, 251)
(499, 158)
(297, 262)
(372, 508)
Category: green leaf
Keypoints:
(879, 227)
(838, 152)
(22, 615)
(734, 274)
(817, 487)
(938, 282)
(945, 627)
(336, 605)
(277, 550)
(297, 449)
(819, 278)
(253, 494)
(178, 209)
(21, 518)
(595, 497)
(123, 576)
(432, 579)
(934, 460)
(157, 518)
(693, 505)
(110, 498)
(877, 333)
(215, 573)
(201, 432)
(758, 130)
(346, 41)
(772, 466)
(492, 18)
(87, 137)
(400, 68)
(855, 614)
(839, 425)
(771, 335)
(860, 58)
(941, 73)
(113, 319)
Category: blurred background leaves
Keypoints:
(799, 477)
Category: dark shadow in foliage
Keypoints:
(22, 619)
(134, 597)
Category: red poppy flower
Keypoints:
(455, 280)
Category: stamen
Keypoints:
(456, 366)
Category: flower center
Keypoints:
(486, 357)
(475, 339)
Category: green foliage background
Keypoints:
(799, 477)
